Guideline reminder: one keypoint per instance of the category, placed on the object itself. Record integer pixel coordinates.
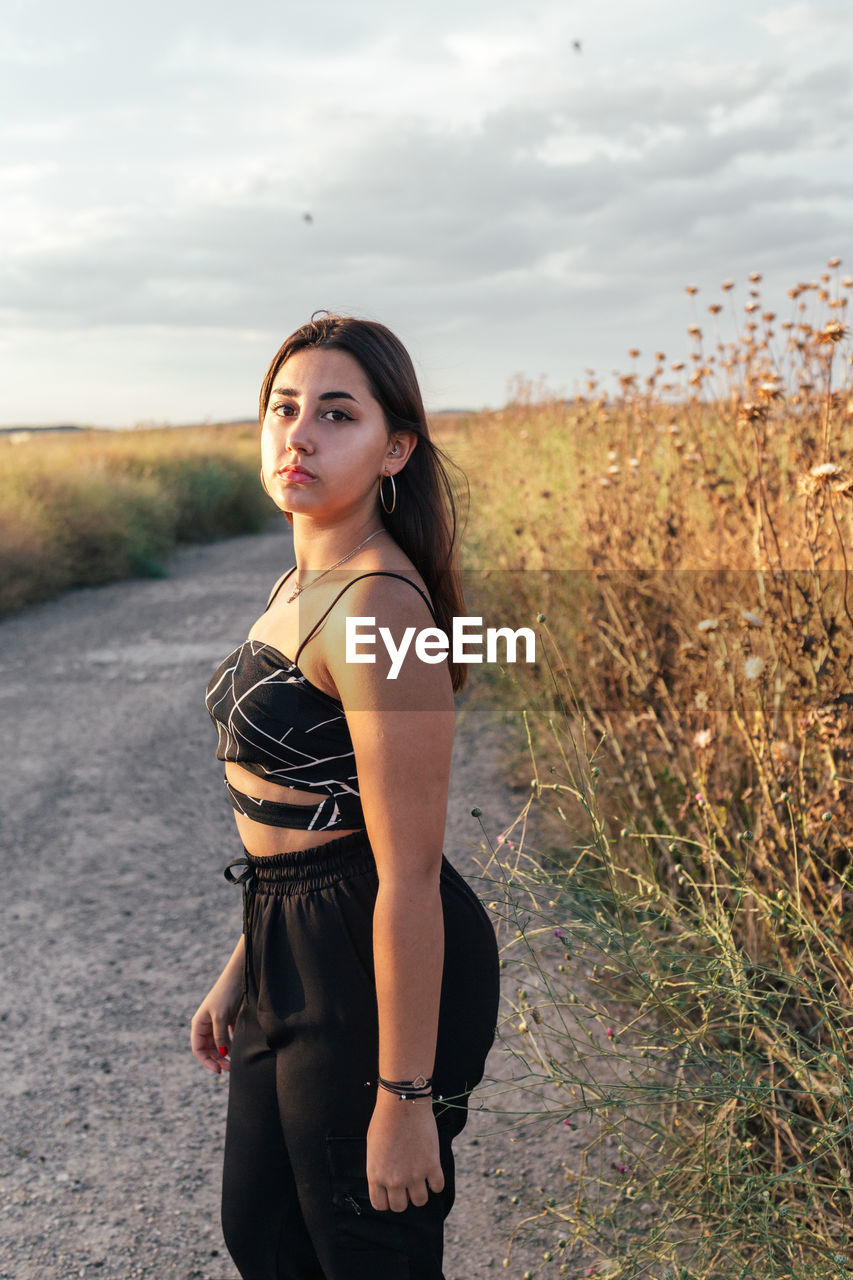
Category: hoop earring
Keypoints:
(264, 484)
(385, 506)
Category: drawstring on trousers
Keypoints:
(246, 880)
(297, 871)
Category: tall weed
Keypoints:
(685, 550)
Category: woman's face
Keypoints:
(324, 439)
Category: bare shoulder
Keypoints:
(376, 647)
(392, 594)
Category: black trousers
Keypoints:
(304, 1064)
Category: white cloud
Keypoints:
(806, 30)
(788, 20)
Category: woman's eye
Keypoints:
(292, 411)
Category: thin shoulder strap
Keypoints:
(278, 586)
(374, 573)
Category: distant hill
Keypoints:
(63, 426)
(23, 432)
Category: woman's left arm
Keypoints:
(402, 732)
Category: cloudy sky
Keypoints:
(506, 203)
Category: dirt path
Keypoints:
(116, 918)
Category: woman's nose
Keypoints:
(298, 435)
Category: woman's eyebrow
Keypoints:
(325, 395)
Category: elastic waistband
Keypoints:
(303, 870)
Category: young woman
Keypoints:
(357, 1009)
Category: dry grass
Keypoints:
(685, 547)
(96, 506)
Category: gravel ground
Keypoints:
(116, 919)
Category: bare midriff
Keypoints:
(263, 841)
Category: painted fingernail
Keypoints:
(223, 1050)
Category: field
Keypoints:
(682, 549)
(94, 506)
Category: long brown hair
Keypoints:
(424, 522)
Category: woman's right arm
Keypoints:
(213, 1021)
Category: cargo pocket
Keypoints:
(370, 1244)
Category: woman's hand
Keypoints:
(213, 1021)
(403, 1163)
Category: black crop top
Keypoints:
(274, 722)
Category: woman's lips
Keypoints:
(296, 475)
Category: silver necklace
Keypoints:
(298, 589)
